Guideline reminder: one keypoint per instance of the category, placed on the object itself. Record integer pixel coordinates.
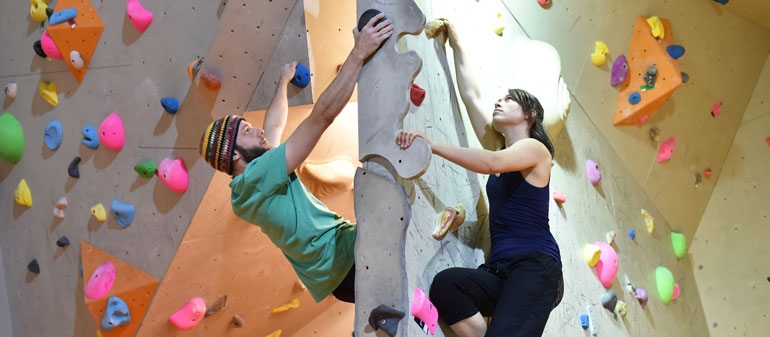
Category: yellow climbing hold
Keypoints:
(599, 56)
(22, 195)
(499, 24)
(621, 308)
(37, 10)
(591, 253)
(656, 27)
(276, 333)
(286, 307)
(434, 28)
(98, 212)
(48, 91)
(648, 220)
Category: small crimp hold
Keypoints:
(293, 304)
(237, 321)
(220, 304)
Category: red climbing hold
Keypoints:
(416, 94)
(715, 108)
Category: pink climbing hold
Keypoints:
(543, 3)
(715, 108)
(675, 295)
(666, 150)
(101, 281)
(190, 315)
(607, 267)
(559, 197)
(49, 47)
(594, 175)
(173, 174)
(111, 132)
(423, 309)
(139, 17)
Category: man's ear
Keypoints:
(236, 155)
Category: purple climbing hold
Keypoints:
(594, 175)
(619, 71)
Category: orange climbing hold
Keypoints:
(83, 38)
(646, 51)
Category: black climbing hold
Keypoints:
(685, 77)
(63, 242)
(38, 46)
(609, 300)
(49, 12)
(366, 16)
(33, 266)
(72, 170)
(385, 318)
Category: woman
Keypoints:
(522, 280)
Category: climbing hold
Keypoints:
(609, 300)
(52, 135)
(37, 10)
(634, 98)
(293, 304)
(619, 71)
(90, 137)
(715, 108)
(301, 76)
(679, 241)
(63, 15)
(61, 205)
(499, 24)
(685, 77)
(146, 169)
(707, 172)
(236, 322)
(190, 315)
(116, 315)
(122, 212)
(599, 56)
(22, 194)
(63, 242)
(450, 219)
(767, 140)
(33, 266)
(698, 179)
(173, 174)
(665, 284)
(594, 175)
(621, 308)
(656, 27)
(424, 310)
(559, 197)
(584, 321)
(610, 236)
(675, 51)
(675, 295)
(722, 2)
(111, 132)
(592, 322)
(650, 77)
(76, 60)
(170, 104)
(655, 134)
(276, 333)
(72, 170)
(416, 94)
(632, 233)
(220, 304)
(11, 138)
(386, 319)
(666, 149)
(49, 47)
(48, 91)
(366, 16)
(591, 254)
(10, 90)
(543, 3)
(98, 212)
(38, 47)
(140, 17)
(193, 68)
(211, 81)
(649, 221)
(607, 267)
(641, 296)
(101, 281)
(434, 28)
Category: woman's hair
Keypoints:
(530, 105)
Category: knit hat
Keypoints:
(218, 143)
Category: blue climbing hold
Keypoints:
(301, 76)
(62, 16)
(90, 137)
(634, 98)
(675, 51)
(116, 315)
(584, 321)
(123, 213)
(170, 104)
(53, 135)
(632, 233)
(723, 2)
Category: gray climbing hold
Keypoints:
(386, 319)
(63, 242)
(685, 77)
(116, 315)
(33, 266)
(72, 170)
(609, 300)
(53, 135)
(123, 213)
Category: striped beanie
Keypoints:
(218, 143)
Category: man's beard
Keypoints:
(251, 153)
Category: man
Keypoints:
(266, 192)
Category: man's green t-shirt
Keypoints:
(318, 243)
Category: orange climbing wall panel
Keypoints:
(646, 51)
(132, 285)
(84, 37)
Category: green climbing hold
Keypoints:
(665, 284)
(680, 244)
(146, 169)
(11, 138)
